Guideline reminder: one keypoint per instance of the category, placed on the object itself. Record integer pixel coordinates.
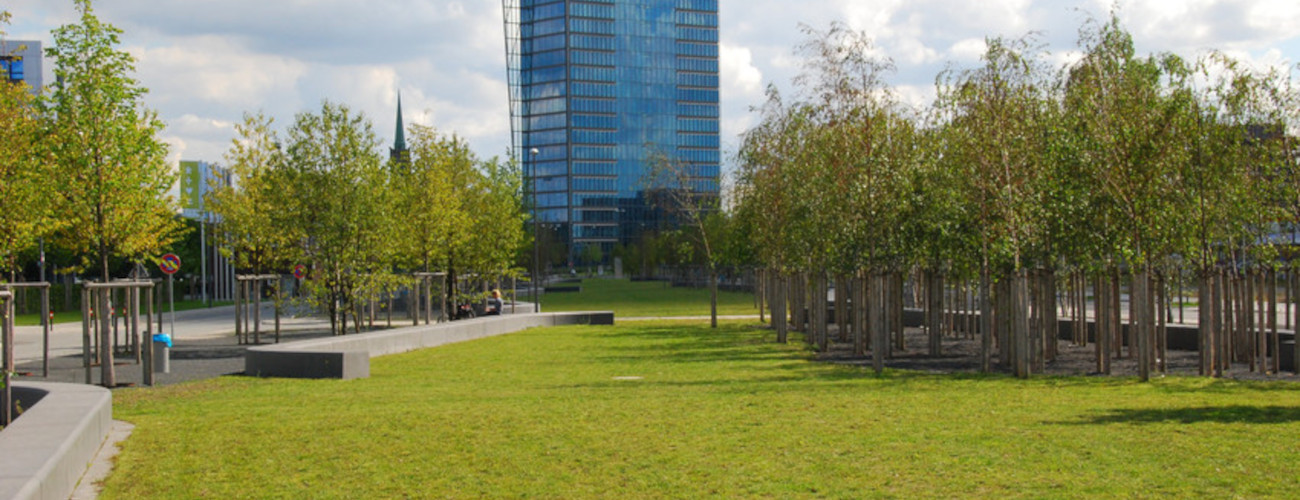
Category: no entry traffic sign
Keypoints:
(170, 263)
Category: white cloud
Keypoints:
(214, 71)
(968, 51)
(209, 61)
(737, 71)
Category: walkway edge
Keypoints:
(45, 451)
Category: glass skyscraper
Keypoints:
(600, 89)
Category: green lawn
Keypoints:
(646, 299)
(715, 413)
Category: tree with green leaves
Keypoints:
(24, 205)
(1131, 116)
(681, 193)
(423, 197)
(334, 185)
(252, 228)
(111, 173)
(996, 120)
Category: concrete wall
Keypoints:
(348, 356)
(47, 449)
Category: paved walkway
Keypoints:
(204, 346)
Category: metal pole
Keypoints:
(45, 331)
(6, 405)
(537, 299)
(107, 377)
(44, 312)
(148, 336)
(203, 258)
(85, 331)
(171, 302)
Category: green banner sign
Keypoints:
(191, 195)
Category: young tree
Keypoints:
(252, 223)
(24, 204)
(109, 167)
(1131, 116)
(683, 195)
(996, 137)
(334, 184)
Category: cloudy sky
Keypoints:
(206, 62)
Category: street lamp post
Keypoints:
(537, 299)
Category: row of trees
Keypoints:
(321, 194)
(82, 167)
(81, 164)
(1114, 165)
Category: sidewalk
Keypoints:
(194, 324)
(204, 346)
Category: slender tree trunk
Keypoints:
(1103, 323)
(1204, 323)
(879, 332)
(842, 315)
(860, 340)
(1139, 311)
(779, 312)
(713, 297)
(986, 320)
(1020, 315)
(1117, 315)
(896, 310)
(934, 308)
(1162, 330)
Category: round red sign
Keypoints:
(170, 263)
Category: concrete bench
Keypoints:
(348, 356)
(45, 451)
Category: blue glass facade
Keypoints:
(598, 89)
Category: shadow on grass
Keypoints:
(1236, 414)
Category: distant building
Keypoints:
(21, 61)
(599, 89)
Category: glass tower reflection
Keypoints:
(599, 88)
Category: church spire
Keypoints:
(398, 151)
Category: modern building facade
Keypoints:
(599, 91)
(20, 61)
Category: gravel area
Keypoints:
(961, 355)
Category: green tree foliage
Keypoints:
(24, 205)
(253, 230)
(1117, 163)
(111, 174)
(1129, 115)
(467, 213)
(337, 177)
(422, 189)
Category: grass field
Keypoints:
(646, 299)
(664, 409)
